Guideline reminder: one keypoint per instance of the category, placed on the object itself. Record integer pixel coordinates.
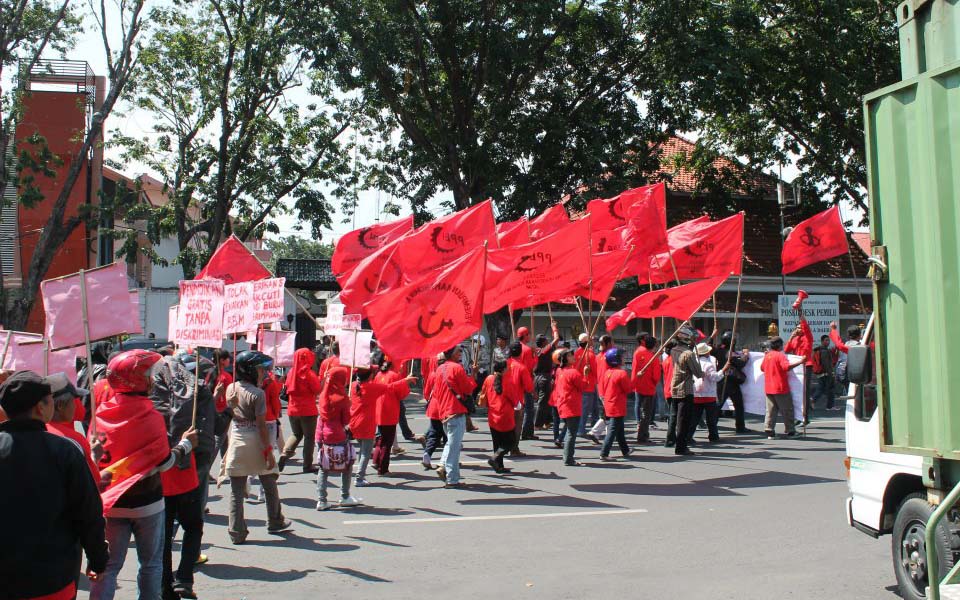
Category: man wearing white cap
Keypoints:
(705, 392)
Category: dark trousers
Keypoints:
(518, 420)
(557, 434)
(187, 510)
(730, 388)
(679, 423)
(824, 389)
(712, 411)
(645, 408)
(543, 385)
(808, 390)
(615, 429)
(503, 442)
(302, 428)
(404, 426)
(382, 447)
(570, 440)
(435, 437)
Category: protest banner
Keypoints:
(95, 294)
(238, 307)
(268, 300)
(333, 324)
(355, 348)
(754, 398)
(351, 322)
(279, 345)
(171, 323)
(35, 355)
(200, 314)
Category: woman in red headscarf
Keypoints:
(336, 453)
(303, 385)
(388, 413)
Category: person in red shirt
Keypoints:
(584, 356)
(500, 415)
(435, 437)
(303, 386)
(775, 367)
(599, 428)
(452, 384)
(616, 385)
(388, 413)
(64, 415)
(801, 344)
(518, 385)
(329, 362)
(222, 380)
(645, 374)
(569, 385)
(336, 453)
(363, 427)
(529, 361)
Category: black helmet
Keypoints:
(247, 363)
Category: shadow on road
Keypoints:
(565, 501)
(234, 572)
(721, 486)
(359, 575)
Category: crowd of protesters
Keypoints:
(134, 455)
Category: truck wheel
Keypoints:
(909, 546)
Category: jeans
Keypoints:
(645, 406)
(323, 481)
(557, 434)
(435, 437)
(615, 429)
(570, 440)
(382, 447)
(236, 523)
(712, 410)
(529, 416)
(186, 509)
(454, 427)
(671, 423)
(148, 537)
(730, 388)
(590, 413)
(542, 385)
(302, 428)
(366, 451)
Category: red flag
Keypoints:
(608, 240)
(361, 243)
(608, 268)
(438, 242)
(701, 248)
(821, 237)
(678, 302)
(433, 313)
(134, 439)
(377, 273)
(514, 233)
(233, 262)
(646, 230)
(549, 267)
(550, 221)
(614, 212)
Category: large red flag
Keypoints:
(614, 212)
(433, 313)
(608, 240)
(680, 302)
(361, 243)
(550, 221)
(607, 269)
(377, 273)
(514, 233)
(646, 229)
(233, 262)
(821, 237)
(701, 248)
(549, 267)
(438, 242)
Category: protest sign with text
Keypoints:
(200, 314)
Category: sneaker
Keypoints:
(351, 501)
(792, 434)
(360, 482)
(456, 485)
(202, 559)
(592, 438)
(684, 452)
(184, 590)
(558, 444)
(770, 435)
(573, 464)
(606, 458)
(282, 462)
(628, 454)
(285, 526)
(323, 505)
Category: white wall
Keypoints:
(167, 277)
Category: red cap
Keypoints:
(522, 331)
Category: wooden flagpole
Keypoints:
(86, 340)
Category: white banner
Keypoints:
(754, 398)
(355, 348)
(268, 300)
(333, 324)
(818, 310)
(238, 307)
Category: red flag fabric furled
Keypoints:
(360, 243)
(433, 313)
(134, 440)
(679, 302)
(514, 233)
(439, 242)
(550, 221)
(548, 267)
(821, 237)
(614, 212)
(701, 248)
(233, 262)
(377, 273)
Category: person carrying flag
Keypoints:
(646, 373)
(518, 384)
(452, 386)
(686, 367)
(570, 385)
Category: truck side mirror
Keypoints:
(859, 364)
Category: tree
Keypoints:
(125, 25)
(237, 136)
(292, 246)
(772, 80)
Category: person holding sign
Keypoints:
(303, 387)
(776, 366)
(250, 451)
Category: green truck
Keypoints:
(903, 424)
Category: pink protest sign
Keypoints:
(355, 348)
(171, 322)
(135, 326)
(351, 322)
(278, 344)
(238, 308)
(106, 289)
(333, 324)
(29, 354)
(268, 300)
(200, 313)
(8, 342)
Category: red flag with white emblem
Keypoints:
(439, 242)
(360, 243)
(821, 237)
(700, 248)
(680, 302)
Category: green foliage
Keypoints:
(292, 246)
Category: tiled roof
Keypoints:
(863, 240)
(308, 274)
(686, 180)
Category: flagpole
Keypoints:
(46, 357)
(476, 353)
(513, 324)
(196, 386)
(853, 271)
(6, 345)
(576, 300)
(590, 292)
(86, 341)
(653, 320)
(664, 344)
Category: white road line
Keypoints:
(596, 513)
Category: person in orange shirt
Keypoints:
(570, 383)
(388, 413)
(500, 415)
(303, 388)
(645, 374)
(616, 385)
(776, 367)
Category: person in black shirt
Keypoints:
(543, 374)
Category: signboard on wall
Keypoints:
(819, 311)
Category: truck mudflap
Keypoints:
(857, 524)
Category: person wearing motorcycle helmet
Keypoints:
(128, 424)
(616, 386)
(586, 356)
(686, 367)
(251, 448)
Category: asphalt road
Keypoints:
(745, 518)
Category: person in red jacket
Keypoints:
(336, 453)
(599, 428)
(363, 427)
(452, 384)
(500, 415)
(645, 374)
(801, 344)
(388, 413)
(776, 367)
(329, 362)
(569, 384)
(585, 356)
(303, 386)
(615, 385)
(64, 415)
(517, 384)
(435, 437)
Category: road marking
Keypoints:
(595, 513)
